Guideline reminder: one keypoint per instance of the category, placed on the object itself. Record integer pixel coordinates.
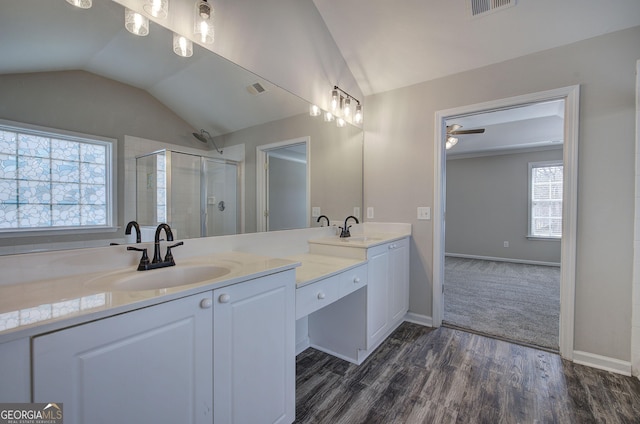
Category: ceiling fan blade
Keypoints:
(476, 131)
(453, 127)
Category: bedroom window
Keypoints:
(545, 199)
(54, 180)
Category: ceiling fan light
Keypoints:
(82, 4)
(135, 23)
(451, 141)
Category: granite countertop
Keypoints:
(41, 306)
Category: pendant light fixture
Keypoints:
(135, 23)
(357, 117)
(203, 22)
(82, 4)
(314, 110)
(182, 46)
(157, 8)
(328, 117)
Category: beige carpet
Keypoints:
(515, 302)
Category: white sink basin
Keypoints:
(160, 278)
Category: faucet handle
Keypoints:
(144, 260)
(169, 256)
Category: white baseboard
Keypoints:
(302, 345)
(496, 259)
(425, 320)
(602, 362)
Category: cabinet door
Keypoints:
(398, 280)
(152, 365)
(377, 296)
(254, 351)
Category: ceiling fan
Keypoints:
(454, 129)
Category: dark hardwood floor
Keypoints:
(426, 375)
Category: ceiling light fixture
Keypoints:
(82, 4)
(341, 106)
(157, 8)
(135, 23)
(451, 141)
(203, 22)
(182, 46)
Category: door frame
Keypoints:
(571, 96)
(261, 181)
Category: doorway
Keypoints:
(570, 96)
(283, 185)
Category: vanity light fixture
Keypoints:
(314, 110)
(342, 107)
(135, 23)
(328, 117)
(82, 4)
(157, 8)
(203, 22)
(182, 46)
(341, 122)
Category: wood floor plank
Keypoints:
(444, 375)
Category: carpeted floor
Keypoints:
(516, 302)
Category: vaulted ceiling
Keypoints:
(392, 44)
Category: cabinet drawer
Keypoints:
(352, 280)
(315, 296)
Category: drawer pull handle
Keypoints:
(320, 296)
(356, 280)
(206, 303)
(224, 298)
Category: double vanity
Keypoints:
(211, 339)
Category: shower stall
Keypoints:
(196, 195)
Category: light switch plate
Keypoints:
(370, 212)
(315, 212)
(356, 211)
(424, 213)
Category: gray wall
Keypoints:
(487, 204)
(335, 162)
(399, 163)
(87, 103)
(287, 194)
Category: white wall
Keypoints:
(399, 130)
(487, 204)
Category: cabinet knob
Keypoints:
(356, 280)
(320, 296)
(392, 246)
(206, 303)
(224, 298)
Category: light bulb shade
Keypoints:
(357, 117)
(341, 122)
(335, 99)
(346, 107)
(203, 22)
(314, 110)
(451, 141)
(135, 23)
(82, 4)
(182, 46)
(157, 8)
(328, 117)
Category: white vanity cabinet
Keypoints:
(254, 351)
(15, 381)
(387, 290)
(151, 365)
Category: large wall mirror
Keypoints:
(81, 71)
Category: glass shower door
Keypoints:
(220, 198)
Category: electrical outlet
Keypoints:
(356, 211)
(424, 213)
(315, 212)
(505, 244)
(370, 212)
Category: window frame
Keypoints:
(111, 182)
(531, 166)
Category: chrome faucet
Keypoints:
(325, 217)
(135, 225)
(345, 230)
(157, 261)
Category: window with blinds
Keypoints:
(545, 199)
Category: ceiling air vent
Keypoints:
(256, 89)
(484, 7)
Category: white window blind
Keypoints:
(545, 199)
